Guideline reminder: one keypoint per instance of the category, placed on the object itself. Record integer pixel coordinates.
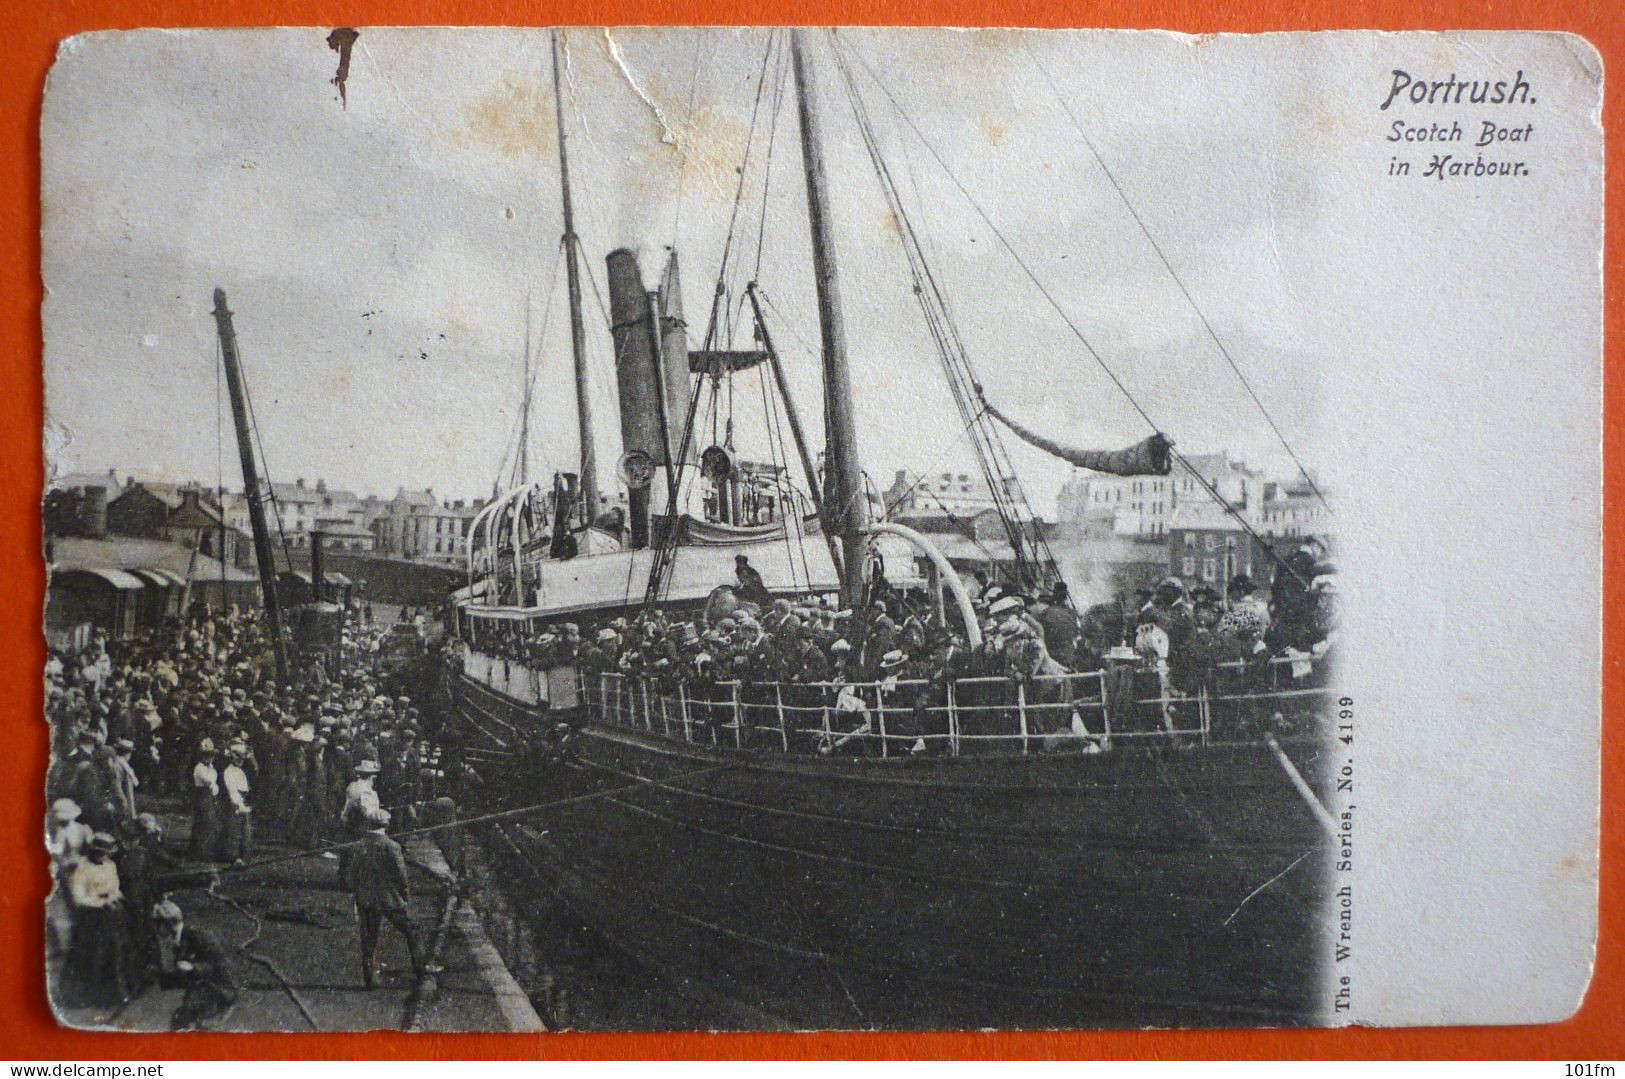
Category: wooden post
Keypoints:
(682, 700)
(1021, 711)
(778, 700)
(953, 719)
(880, 717)
(1106, 709)
(739, 722)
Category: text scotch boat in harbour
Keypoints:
(1072, 850)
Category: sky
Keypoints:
(381, 253)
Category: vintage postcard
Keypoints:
(647, 529)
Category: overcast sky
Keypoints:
(380, 257)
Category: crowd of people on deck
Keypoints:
(192, 714)
(1182, 640)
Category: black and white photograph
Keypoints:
(644, 529)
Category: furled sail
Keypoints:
(1148, 457)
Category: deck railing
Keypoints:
(1091, 711)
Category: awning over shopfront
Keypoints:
(115, 577)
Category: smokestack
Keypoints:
(317, 568)
(674, 349)
(635, 377)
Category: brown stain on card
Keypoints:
(706, 151)
(514, 119)
(342, 41)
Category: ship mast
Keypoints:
(578, 338)
(845, 507)
(251, 485)
(524, 407)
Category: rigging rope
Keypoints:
(1168, 265)
(1049, 296)
(779, 79)
(1004, 242)
(993, 458)
(541, 335)
(667, 550)
(921, 477)
(739, 191)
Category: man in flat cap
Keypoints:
(381, 889)
(124, 782)
(192, 959)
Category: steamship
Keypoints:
(1076, 850)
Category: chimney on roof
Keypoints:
(93, 511)
(300, 482)
(321, 487)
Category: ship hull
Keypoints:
(1147, 886)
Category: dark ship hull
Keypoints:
(1155, 884)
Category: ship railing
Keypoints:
(1088, 712)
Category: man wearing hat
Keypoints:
(238, 823)
(193, 960)
(73, 747)
(148, 758)
(881, 639)
(92, 780)
(1061, 627)
(360, 798)
(124, 780)
(748, 583)
(381, 889)
(142, 864)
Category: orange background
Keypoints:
(27, 1030)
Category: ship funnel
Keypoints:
(651, 373)
(674, 354)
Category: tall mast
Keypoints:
(845, 508)
(578, 338)
(524, 407)
(251, 485)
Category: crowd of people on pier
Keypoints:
(192, 714)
